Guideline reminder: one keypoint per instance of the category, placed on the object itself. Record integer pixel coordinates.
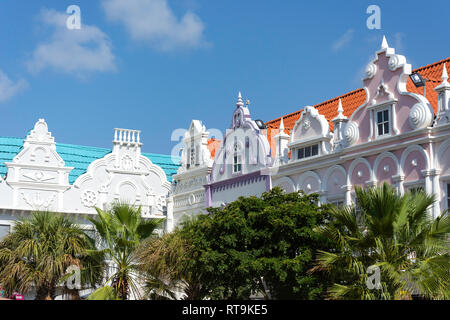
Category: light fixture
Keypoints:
(417, 79)
(260, 124)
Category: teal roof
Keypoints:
(80, 157)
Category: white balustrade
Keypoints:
(127, 136)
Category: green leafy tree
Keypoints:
(252, 246)
(38, 251)
(121, 230)
(394, 233)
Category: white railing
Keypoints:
(127, 136)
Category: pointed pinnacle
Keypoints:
(444, 74)
(282, 125)
(340, 108)
(384, 43)
(240, 103)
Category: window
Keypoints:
(188, 158)
(383, 122)
(237, 160)
(192, 161)
(197, 156)
(237, 166)
(307, 152)
(4, 230)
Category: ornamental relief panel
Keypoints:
(127, 163)
(38, 200)
(89, 198)
(39, 176)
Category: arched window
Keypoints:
(237, 158)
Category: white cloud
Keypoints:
(343, 40)
(9, 88)
(154, 22)
(78, 52)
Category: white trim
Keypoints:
(287, 180)
(309, 174)
(329, 172)
(354, 164)
(385, 154)
(410, 149)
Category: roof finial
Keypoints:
(282, 125)
(384, 43)
(340, 108)
(444, 74)
(240, 103)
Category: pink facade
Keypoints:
(394, 136)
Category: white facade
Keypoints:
(196, 163)
(38, 179)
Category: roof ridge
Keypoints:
(432, 64)
(276, 120)
(317, 105)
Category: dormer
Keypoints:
(310, 136)
(195, 151)
(389, 108)
(245, 147)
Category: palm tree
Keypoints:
(38, 251)
(167, 265)
(121, 230)
(395, 234)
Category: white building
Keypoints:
(39, 174)
(196, 164)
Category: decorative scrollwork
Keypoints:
(394, 62)
(351, 133)
(307, 124)
(371, 70)
(419, 116)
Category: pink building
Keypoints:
(388, 131)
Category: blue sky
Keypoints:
(154, 65)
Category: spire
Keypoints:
(340, 108)
(240, 103)
(384, 44)
(340, 111)
(282, 125)
(444, 74)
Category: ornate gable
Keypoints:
(195, 152)
(311, 128)
(244, 149)
(123, 175)
(38, 174)
(389, 108)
